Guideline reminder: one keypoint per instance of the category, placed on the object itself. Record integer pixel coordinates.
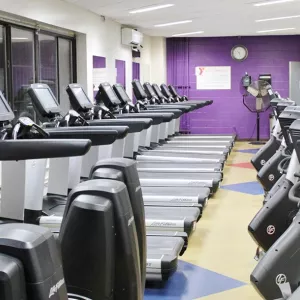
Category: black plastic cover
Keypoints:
(87, 240)
(167, 117)
(280, 265)
(156, 118)
(43, 100)
(165, 91)
(121, 93)
(96, 135)
(138, 90)
(36, 149)
(127, 265)
(286, 119)
(12, 279)
(78, 98)
(36, 248)
(133, 125)
(157, 91)
(107, 95)
(130, 177)
(149, 90)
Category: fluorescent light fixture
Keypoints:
(188, 33)
(150, 8)
(276, 19)
(174, 23)
(274, 30)
(19, 38)
(272, 2)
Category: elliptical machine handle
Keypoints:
(292, 193)
(282, 167)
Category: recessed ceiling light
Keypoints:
(173, 23)
(272, 2)
(188, 33)
(273, 30)
(150, 8)
(276, 19)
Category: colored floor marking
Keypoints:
(252, 188)
(192, 282)
(251, 151)
(246, 165)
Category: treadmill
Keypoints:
(215, 137)
(206, 149)
(148, 92)
(212, 180)
(176, 219)
(161, 262)
(192, 196)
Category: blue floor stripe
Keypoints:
(252, 188)
(192, 282)
(251, 151)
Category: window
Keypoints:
(48, 62)
(22, 69)
(2, 61)
(31, 56)
(65, 71)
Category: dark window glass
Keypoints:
(65, 71)
(2, 61)
(48, 62)
(22, 64)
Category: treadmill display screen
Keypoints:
(150, 90)
(158, 91)
(111, 94)
(81, 96)
(46, 98)
(123, 94)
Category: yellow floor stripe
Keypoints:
(221, 242)
(243, 293)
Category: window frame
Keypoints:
(7, 41)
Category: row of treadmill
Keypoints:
(97, 202)
(276, 227)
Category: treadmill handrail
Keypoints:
(11, 150)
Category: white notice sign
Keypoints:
(213, 78)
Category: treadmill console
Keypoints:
(6, 114)
(165, 91)
(158, 91)
(149, 90)
(138, 90)
(78, 98)
(173, 91)
(43, 100)
(121, 93)
(107, 95)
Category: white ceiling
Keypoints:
(214, 17)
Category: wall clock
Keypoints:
(239, 53)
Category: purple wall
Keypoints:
(227, 114)
(121, 72)
(136, 74)
(99, 62)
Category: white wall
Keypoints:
(98, 37)
(153, 61)
(158, 60)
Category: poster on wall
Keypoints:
(213, 78)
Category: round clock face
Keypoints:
(239, 53)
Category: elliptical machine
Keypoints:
(278, 212)
(269, 174)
